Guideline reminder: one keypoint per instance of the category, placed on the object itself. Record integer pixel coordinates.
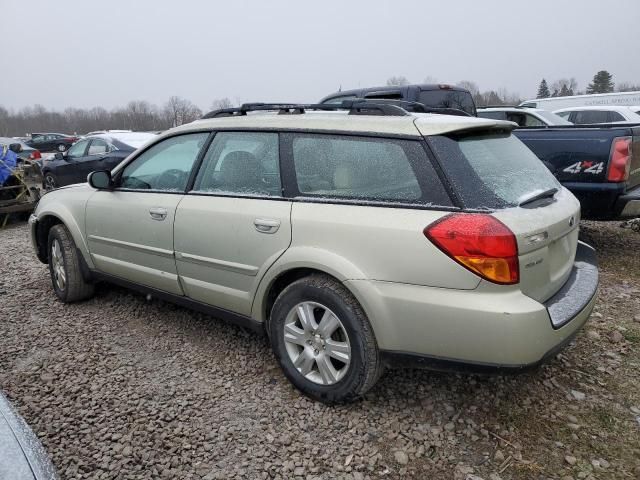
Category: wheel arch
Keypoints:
(297, 263)
(50, 217)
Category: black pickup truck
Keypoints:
(599, 164)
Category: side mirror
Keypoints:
(100, 179)
(59, 156)
(15, 147)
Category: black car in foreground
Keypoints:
(97, 152)
(51, 142)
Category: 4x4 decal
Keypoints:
(586, 167)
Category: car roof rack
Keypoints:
(386, 107)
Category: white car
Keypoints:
(524, 117)
(356, 239)
(600, 114)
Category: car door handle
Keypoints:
(266, 225)
(158, 213)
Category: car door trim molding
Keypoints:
(133, 246)
(249, 270)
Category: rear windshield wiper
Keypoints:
(537, 196)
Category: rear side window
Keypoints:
(493, 115)
(491, 171)
(245, 163)
(616, 117)
(339, 100)
(442, 98)
(365, 168)
(584, 117)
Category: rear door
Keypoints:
(234, 223)
(497, 173)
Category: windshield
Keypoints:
(462, 100)
(491, 171)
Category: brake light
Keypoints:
(480, 243)
(35, 155)
(444, 86)
(619, 160)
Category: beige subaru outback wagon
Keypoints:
(356, 238)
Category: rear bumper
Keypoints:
(628, 205)
(606, 201)
(486, 329)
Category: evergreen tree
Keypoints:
(565, 92)
(543, 90)
(602, 83)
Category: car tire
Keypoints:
(313, 354)
(49, 181)
(61, 147)
(64, 267)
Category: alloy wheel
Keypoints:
(317, 343)
(57, 265)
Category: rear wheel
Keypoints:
(323, 340)
(62, 147)
(64, 267)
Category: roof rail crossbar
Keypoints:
(358, 106)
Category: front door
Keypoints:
(68, 171)
(130, 228)
(235, 223)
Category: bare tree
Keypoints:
(469, 85)
(430, 79)
(397, 81)
(220, 103)
(622, 87)
(564, 87)
(179, 111)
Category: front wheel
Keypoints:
(64, 267)
(323, 340)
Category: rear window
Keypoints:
(491, 171)
(448, 99)
(365, 168)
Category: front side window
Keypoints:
(531, 121)
(78, 149)
(338, 100)
(374, 169)
(166, 165)
(244, 163)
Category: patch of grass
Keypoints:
(631, 337)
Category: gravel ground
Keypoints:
(122, 387)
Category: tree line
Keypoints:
(602, 83)
(138, 115)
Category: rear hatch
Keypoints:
(495, 172)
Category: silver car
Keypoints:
(358, 238)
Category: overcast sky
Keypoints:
(85, 53)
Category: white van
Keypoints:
(599, 99)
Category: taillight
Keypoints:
(620, 160)
(480, 243)
(35, 155)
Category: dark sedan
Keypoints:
(97, 152)
(51, 142)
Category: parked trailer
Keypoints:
(597, 99)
